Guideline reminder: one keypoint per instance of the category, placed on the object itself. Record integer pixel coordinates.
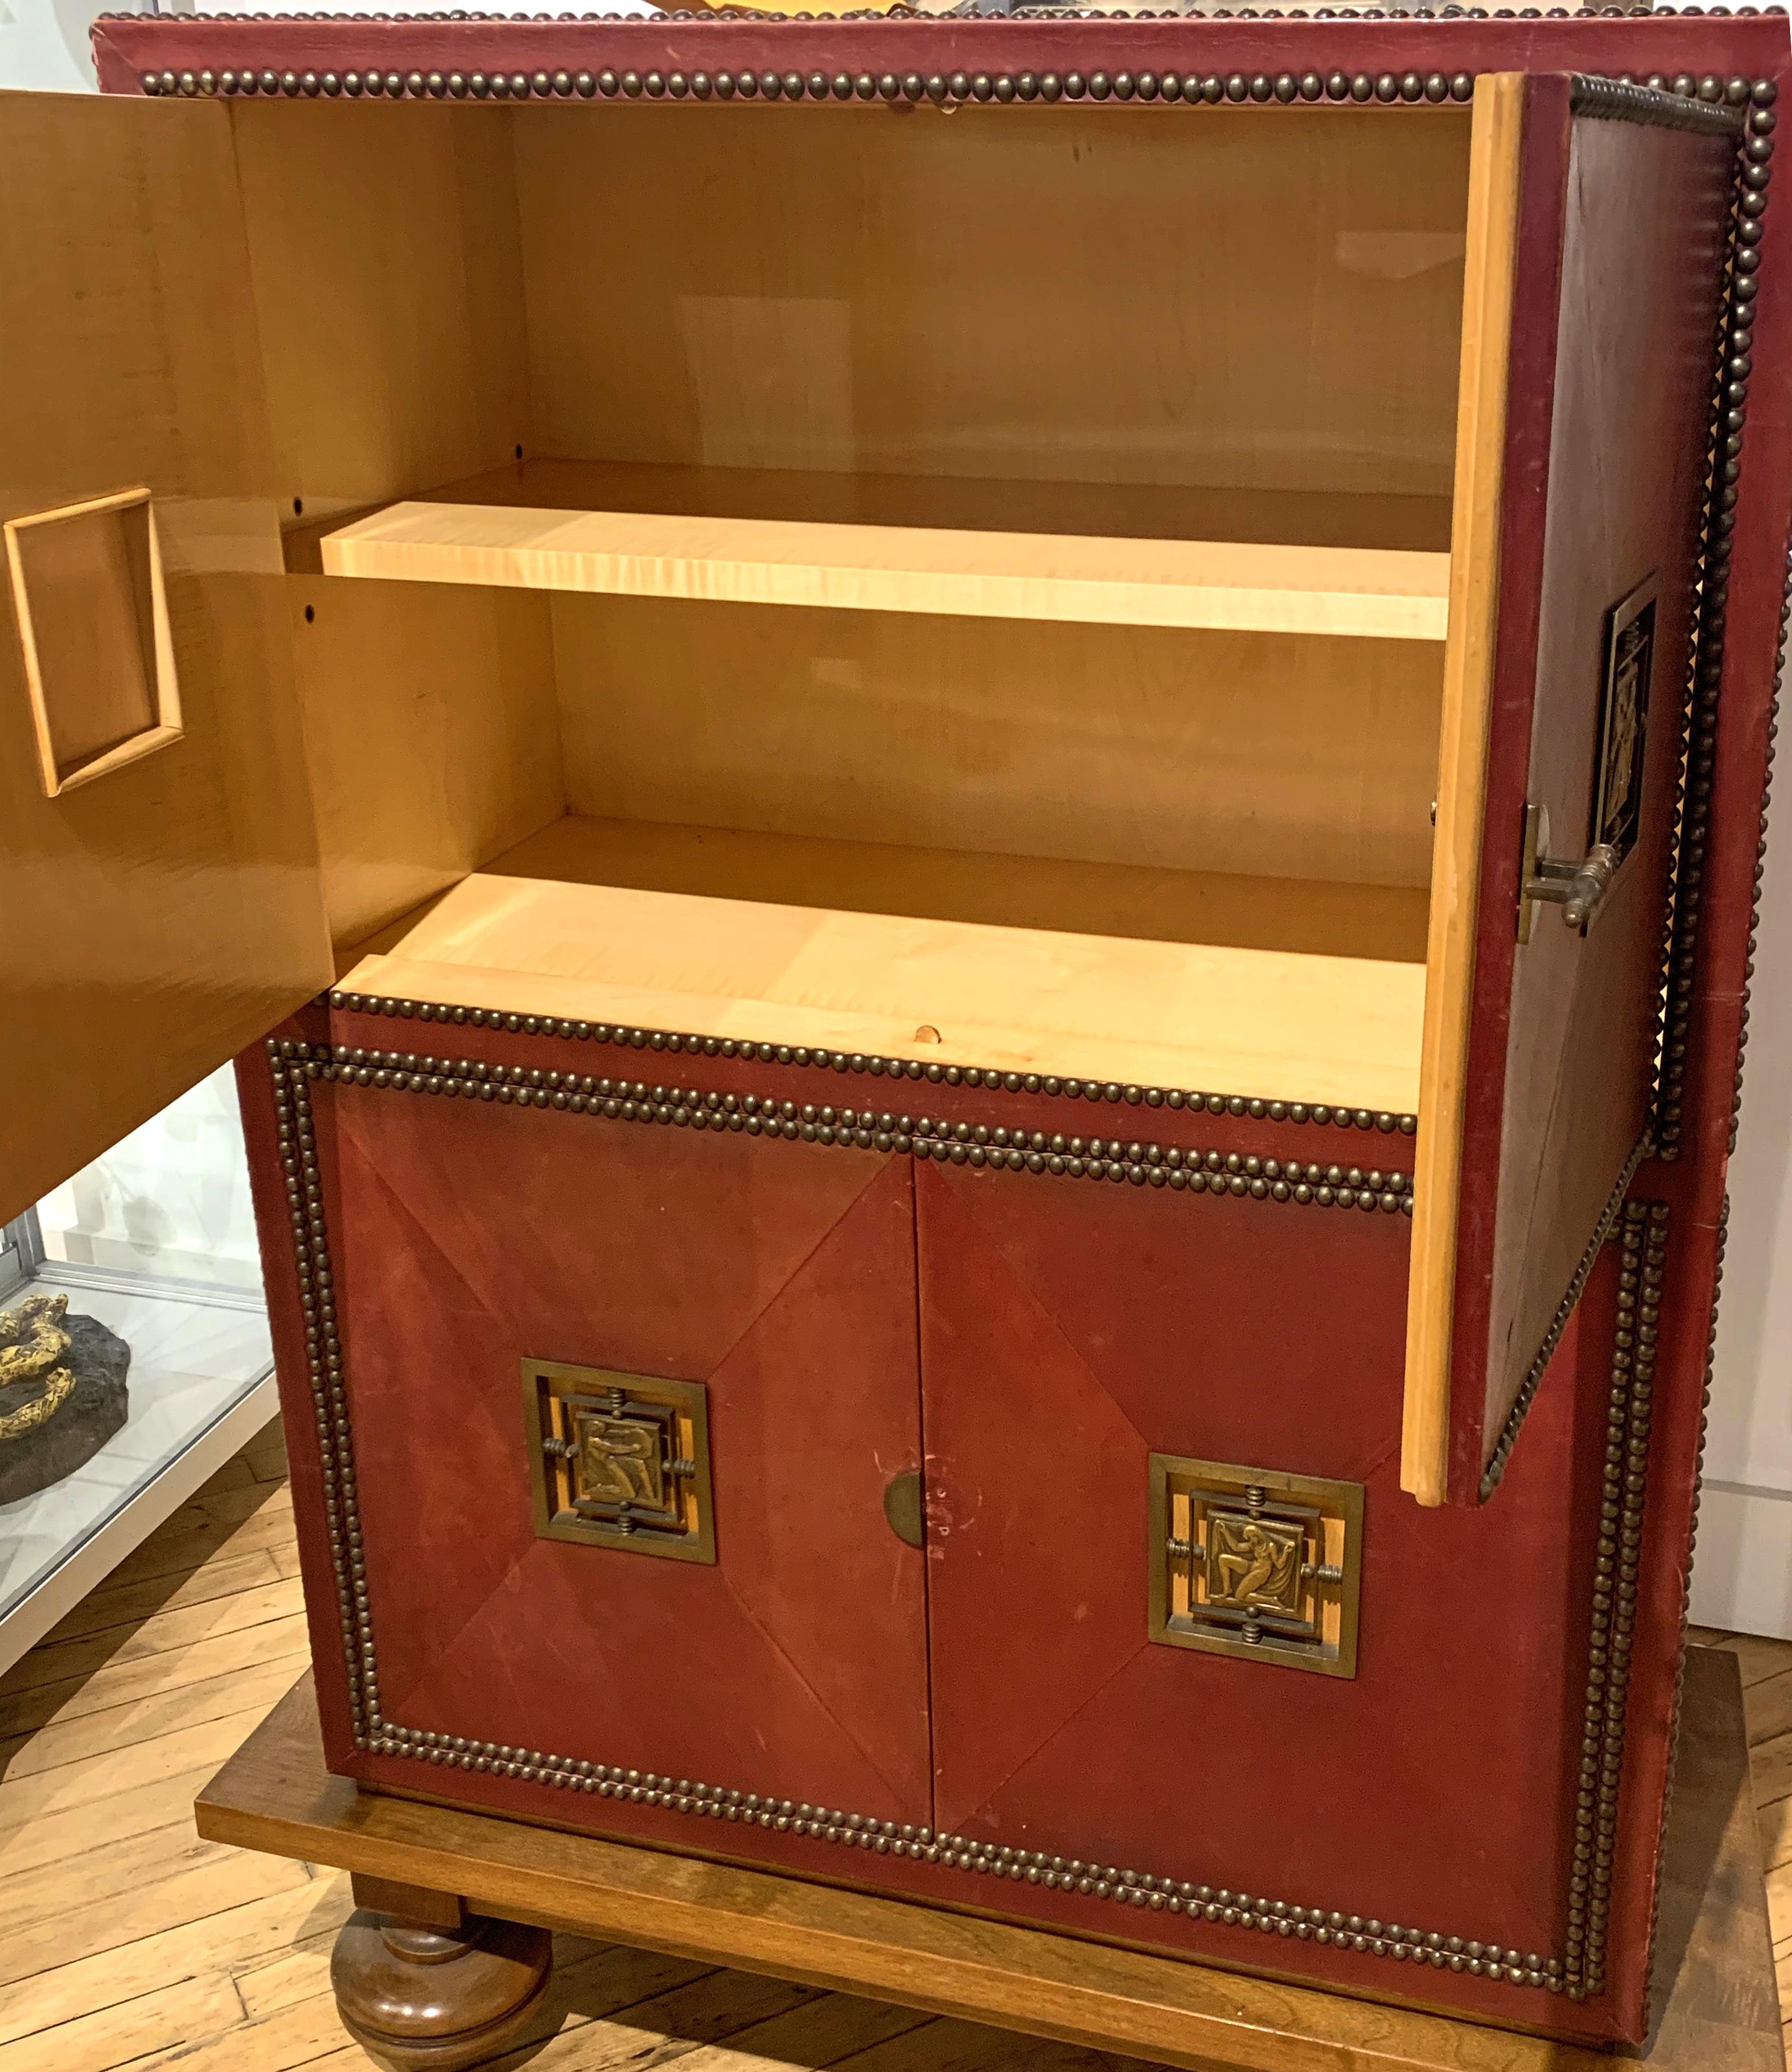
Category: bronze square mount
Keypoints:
(1250, 1561)
(619, 1460)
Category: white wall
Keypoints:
(1743, 1574)
(43, 42)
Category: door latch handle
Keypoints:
(905, 1506)
(1578, 888)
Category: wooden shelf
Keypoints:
(973, 549)
(574, 923)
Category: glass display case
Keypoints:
(154, 1242)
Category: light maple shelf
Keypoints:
(973, 549)
(613, 921)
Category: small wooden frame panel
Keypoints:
(158, 864)
(92, 611)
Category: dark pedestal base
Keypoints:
(419, 1997)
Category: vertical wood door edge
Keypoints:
(1494, 188)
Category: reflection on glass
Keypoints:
(155, 1243)
(170, 1202)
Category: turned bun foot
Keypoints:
(420, 1997)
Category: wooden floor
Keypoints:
(125, 1941)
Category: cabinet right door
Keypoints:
(1599, 241)
(1186, 1632)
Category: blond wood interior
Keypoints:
(562, 927)
(567, 527)
(1119, 456)
(1260, 298)
(1241, 753)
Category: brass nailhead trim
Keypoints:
(1614, 1596)
(295, 1066)
(1683, 101)
(1699, 741)
(1495, 1470)
(902, 16)
(1387, 1123)
(324, 1363)
(1624, 101)
(1182, 1169)
(1049, 89)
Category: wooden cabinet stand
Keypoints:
(444, 1874)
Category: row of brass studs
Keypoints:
(858, 1060)
(1057, 1873)
(1183, 1170)
(1495, 1470)
(1624, 101)
(1191, 90)
(1614, 1596)
(907, 15)
(1761, 852)
(324, 1366)
(1193, 1171)
(294, 1065)
(1723, 464)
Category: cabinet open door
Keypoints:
(158, 872)
(1597, 258)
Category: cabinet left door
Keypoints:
(603, 1400)
(159, 868)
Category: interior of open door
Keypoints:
(158, 872)
(1596, 256)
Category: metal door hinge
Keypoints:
(1578, 888)
(1250, 1561)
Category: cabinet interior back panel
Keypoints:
(1262, 298)
(386, 264)
(1250, 753)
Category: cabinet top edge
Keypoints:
(541, 60)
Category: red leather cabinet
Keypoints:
(1035, 748)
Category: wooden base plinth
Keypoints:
(436, 1971)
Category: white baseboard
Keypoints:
(1742, 1571)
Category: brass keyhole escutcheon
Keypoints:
(619, 1460)
(905, 1507)
(1255, 1563)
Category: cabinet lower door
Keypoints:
(621, 1403)
(1153, 1418)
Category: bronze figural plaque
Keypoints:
(619, 1460)
(1249, 1561)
